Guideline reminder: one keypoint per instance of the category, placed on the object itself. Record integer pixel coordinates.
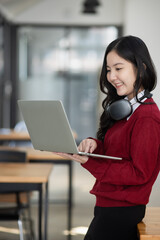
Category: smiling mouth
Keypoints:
(118, 85)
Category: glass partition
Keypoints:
(64, 63)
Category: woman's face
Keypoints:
(121, 74)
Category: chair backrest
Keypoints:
(20, 127)
(12, 156)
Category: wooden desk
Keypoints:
(36, 156)
(149, 228)
(27, 177)
(11, 135)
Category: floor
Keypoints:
(82, 212)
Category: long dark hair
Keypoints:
(134, 50)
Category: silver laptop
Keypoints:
(49, 128)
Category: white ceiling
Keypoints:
(12, 8)
(61, 12)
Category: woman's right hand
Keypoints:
(87, 146)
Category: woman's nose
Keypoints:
(113, 76)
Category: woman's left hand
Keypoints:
(75, 157)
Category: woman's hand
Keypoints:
(87, 145)
(75, 157)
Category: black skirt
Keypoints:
(115, 223)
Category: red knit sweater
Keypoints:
(137, 141)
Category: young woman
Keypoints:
(122, 188)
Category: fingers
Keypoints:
(84, 146)
(93, 147)
(75, 157)
(87, 145)
(80, 159)
(64, 155)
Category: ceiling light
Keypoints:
(89, 6)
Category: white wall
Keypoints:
(142, 19)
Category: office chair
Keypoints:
(16, 213)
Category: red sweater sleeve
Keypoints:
(144, 149)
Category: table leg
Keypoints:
(40, 213)
(70, 202)
(46, 212)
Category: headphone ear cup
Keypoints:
(120, 109)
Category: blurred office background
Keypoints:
(53, 49)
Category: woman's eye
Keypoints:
(118, 69)
(108, 70)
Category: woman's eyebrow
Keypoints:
(115, 64)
